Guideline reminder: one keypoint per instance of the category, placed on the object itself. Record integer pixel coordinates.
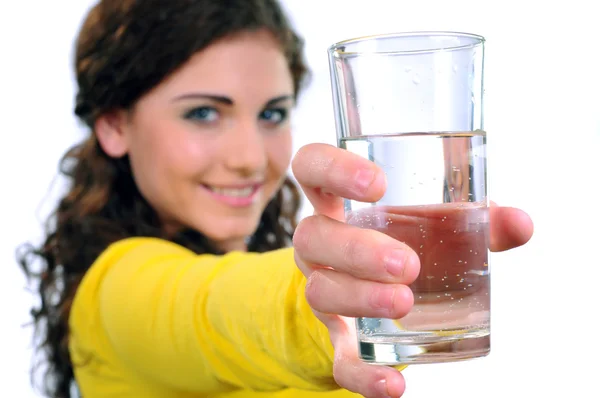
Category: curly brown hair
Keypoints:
(124, 49)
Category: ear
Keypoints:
(111, 130)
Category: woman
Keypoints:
(168, 270)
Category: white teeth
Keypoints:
(238, 193)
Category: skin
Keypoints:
(179, 142)
(354, 272)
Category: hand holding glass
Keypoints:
(412, 103)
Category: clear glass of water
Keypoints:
(412, 103)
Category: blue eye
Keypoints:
(202, 114)
(275, 116)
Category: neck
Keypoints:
(239, 245)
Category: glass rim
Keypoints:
(477, 40)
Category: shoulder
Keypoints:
(124, 255)
(143, 259)
(140, 246)
(127, 254)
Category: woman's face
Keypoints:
(210, 146)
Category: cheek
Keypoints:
(164, 164)
(280, 152)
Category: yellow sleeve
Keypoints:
(205, 323)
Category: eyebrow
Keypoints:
(226, 100)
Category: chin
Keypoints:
(230, 230)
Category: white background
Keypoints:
(542, 115)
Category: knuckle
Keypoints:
(359, 251)
(299, 160)
(329, 166)
(351, 254)
(303, 234)
(340, 368)
(312, 291)
(308, 159)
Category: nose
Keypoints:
(245, 149)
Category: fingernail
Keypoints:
(395, 262)
(384, 298)
(381, 388)
(364, 178)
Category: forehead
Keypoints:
(249, 62)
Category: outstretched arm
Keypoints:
(207, 323)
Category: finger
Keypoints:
(327, 173)
(332, 292)
(371, 381)
(363, 253)
(509, 228)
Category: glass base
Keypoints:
(386, 351)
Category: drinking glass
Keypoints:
(412, 103)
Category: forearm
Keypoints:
(266, 327)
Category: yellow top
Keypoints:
(152, 319)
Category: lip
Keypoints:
(235, 201)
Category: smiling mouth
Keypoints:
(242, 196)
(233, 192)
